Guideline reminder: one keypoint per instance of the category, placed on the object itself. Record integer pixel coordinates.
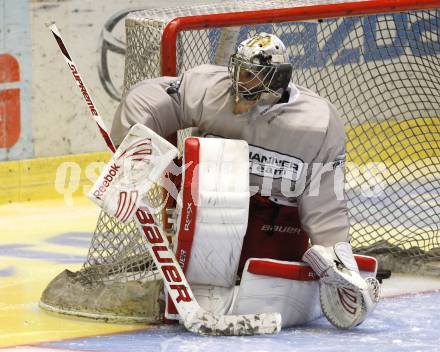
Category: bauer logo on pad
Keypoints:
(137, 165)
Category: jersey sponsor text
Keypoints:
(268, 163)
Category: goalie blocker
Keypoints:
(136, 166)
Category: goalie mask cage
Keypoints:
(376, 61)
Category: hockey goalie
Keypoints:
(262, 223)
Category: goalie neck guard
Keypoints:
(259, 66)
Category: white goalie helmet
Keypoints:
(258, 66)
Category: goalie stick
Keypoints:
(194, 318)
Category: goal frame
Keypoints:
(304, 13)
(168, 45)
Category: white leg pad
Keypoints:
(216, 210)
(289, 288)
(212, 219)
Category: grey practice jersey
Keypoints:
(296, 149)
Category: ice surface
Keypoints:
(398, 324)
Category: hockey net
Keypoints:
(376, 61)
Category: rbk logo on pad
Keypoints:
(139, 151)
(126, 205)
(348, 299)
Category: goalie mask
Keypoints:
(259, 66)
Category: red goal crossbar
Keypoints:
(303, 13)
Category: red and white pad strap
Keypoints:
(136, 166)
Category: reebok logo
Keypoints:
(108, 178)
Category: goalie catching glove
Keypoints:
(346, 298)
